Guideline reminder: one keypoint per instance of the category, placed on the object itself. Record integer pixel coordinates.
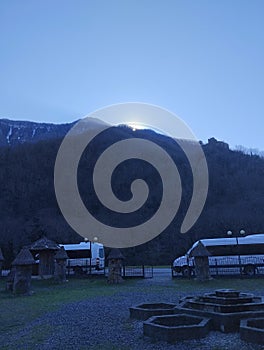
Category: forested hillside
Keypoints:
(28, 205)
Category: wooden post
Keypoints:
(200, 254)
(60, 266)
(90, 258)
(115, 259)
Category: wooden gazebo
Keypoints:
(45, 249)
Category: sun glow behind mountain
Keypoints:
(140, 126)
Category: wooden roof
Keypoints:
(24, 258)
(44, 244)
(61, 254)
(199, 250)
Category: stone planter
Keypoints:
(252, 330)
(144, 311)
(173, 328)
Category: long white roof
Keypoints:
(250, 239)
(80, 246)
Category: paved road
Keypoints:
(161, 273)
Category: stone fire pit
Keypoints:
(225, 307)
(252, 330)
(144, 311)
(225, 310)
(172, 328)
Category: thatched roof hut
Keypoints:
(44, 244)
(46, 250)
(199, 251)
(200, 254)
(23, 269)
(24, 258)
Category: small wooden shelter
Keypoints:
(115, 262)
(200, 254)
(23, 269)
(45, 249)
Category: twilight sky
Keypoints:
(201, 59)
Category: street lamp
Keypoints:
(242, 233)
(86, 240)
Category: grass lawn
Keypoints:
(18, 311)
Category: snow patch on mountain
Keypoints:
(9, 134)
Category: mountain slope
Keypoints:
(17, 132)
(28, 204)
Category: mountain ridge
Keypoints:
(14, 132)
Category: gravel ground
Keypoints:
(102, 323)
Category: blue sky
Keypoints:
(201, 59)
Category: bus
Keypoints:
(85, 256)
(244, 255)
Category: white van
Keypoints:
(85, 255)
(228, 255)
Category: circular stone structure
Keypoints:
(227, 293)
(225, 307)
(172, 328)
(242, 298)
(252, 330)
(144, 311)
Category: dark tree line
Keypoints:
(28, 204)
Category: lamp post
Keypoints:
(242, 233)
(90, 267)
